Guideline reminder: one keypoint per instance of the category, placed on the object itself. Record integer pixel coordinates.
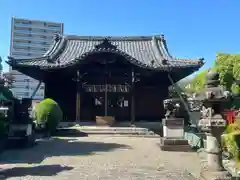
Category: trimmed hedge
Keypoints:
(49, 114)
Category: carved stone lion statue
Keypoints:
(172, 109)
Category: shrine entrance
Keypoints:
(109, 100)
(104, 88)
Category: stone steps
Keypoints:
(101, 130)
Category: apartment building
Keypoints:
(30, 38)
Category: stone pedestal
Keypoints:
(214, 153)
(173, 135)
(214, 169)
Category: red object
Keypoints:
(230, 116)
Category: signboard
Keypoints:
(108, 88)
(174, 122)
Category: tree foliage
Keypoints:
(228, 67)
(1, 66)
(6, 78)
(198, 82)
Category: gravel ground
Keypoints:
(99, 158)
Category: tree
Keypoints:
(1, 66)
(198, 82)
(6, 82)
(8, 79)
(228, 67)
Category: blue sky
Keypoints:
(193, 28)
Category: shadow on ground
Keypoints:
(44, 170)
(64, 132)
(57, 147)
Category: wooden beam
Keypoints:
(106, 88)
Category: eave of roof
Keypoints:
(161, 58)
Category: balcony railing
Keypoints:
(37, 26)
(35, 37)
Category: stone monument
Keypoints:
(213, 97)
(173, 127)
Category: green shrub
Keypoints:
(230, 143)
(234, 127)
(49, 113)
(231, 139)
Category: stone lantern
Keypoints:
(213, 97)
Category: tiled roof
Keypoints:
(145, 51)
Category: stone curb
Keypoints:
(104, 128)
(128, 134)
(106, 131)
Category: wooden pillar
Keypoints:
(106, 89)
(106, 99)
(78, 98)
(132, 110)
(78, 107)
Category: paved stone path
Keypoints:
(100, 158)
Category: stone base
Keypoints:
(220, 175)
(105, 120)
(173, 127)
(167, 144)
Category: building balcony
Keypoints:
(42, 27)
(24, 31)
(28, 51)
(33, 37)
(30, 32)
(19, 54)
(31, 45)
